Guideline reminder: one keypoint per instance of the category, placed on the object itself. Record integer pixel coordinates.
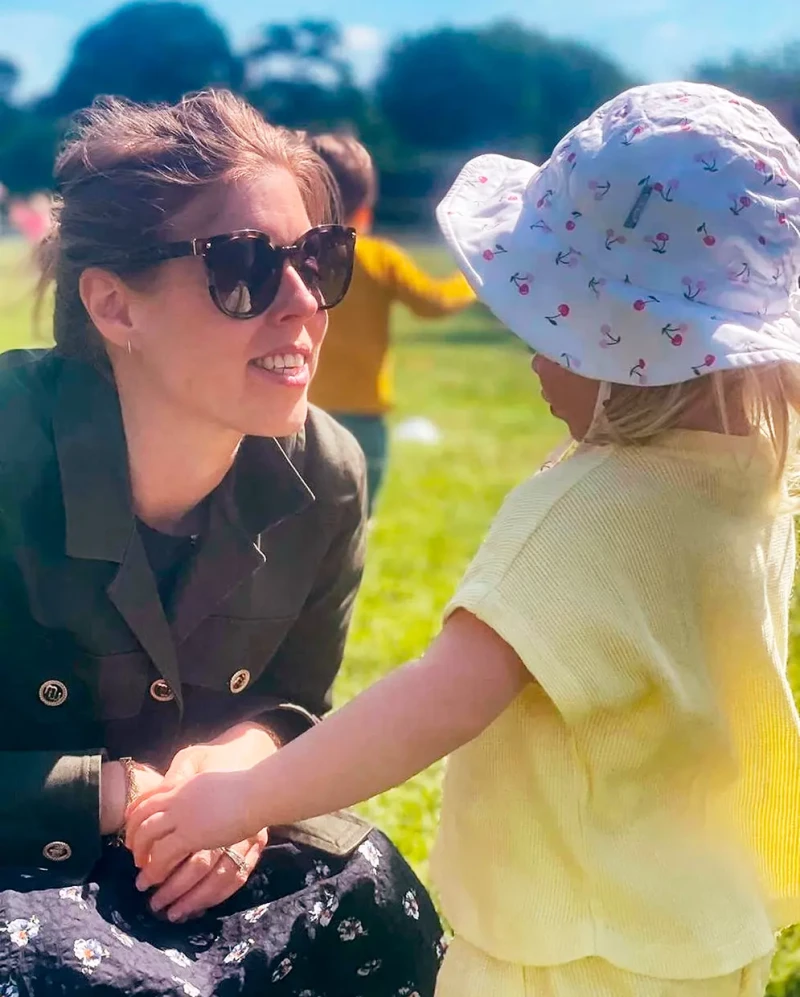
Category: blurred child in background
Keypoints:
(354, 378)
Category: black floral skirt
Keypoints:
(305, 925)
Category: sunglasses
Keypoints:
(245, 270)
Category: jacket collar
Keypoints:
(263, 487)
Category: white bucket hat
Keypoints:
(661, 241)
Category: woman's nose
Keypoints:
(294, 301)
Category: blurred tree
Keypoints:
(9, 77)
(147, 51)
(298, 76)
(772, 79)
(27, 142)
(502, 85)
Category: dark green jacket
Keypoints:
(91, 666)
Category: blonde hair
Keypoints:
(762, 401)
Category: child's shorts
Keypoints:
(468, 972)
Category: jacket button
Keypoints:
(57, 851)
(161, 691)
(239, 681)
(53, 693)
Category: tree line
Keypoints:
(439, 96)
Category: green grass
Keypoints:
(473, 381)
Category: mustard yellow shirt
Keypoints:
(639, 802)
(354, 373)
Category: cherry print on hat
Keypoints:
(675, 333)
(522, 282)
(693, 288)
(659, 242)
(607, 337)
(600, 189)
(561, 312)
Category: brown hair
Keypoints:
(352, 168)
(127, 169)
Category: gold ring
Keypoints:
(236, 858)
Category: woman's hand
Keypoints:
(240, 747)
(211, 810)
(207, 878)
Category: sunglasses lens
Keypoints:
(245, 273)
(324, 261)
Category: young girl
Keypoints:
(622, 807)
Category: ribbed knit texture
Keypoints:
(469, 972)
(639, 802)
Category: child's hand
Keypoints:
(169, 824)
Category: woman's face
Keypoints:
(571, 398)
(209, 366)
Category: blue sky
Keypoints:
(656, 39)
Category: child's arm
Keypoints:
(395, 729)
(426, 296)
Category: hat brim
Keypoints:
(491, 219)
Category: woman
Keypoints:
(181, 541)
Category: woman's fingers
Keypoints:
(193, 871)
(186, 764)
(225, 879)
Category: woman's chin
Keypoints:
(280, 424)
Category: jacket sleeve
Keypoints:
(49, 800)
(50, 812)
(310, 656)
(426, 296)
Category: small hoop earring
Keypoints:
(129, 347)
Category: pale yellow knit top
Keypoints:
(640, 802)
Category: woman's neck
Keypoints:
(175, 461)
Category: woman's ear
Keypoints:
(107, 300)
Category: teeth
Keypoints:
(281, 362)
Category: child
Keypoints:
(354, 381)
(620, 813)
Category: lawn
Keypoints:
(474, 383)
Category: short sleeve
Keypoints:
(595, 612)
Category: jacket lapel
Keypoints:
(135, 595)
(262, 488)
(99, 521)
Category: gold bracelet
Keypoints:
(131, 792)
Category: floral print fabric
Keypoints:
(304, 926)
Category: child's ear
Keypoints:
(362, 220)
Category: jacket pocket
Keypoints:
(118, 683)
(337, 834)
(223, 647)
